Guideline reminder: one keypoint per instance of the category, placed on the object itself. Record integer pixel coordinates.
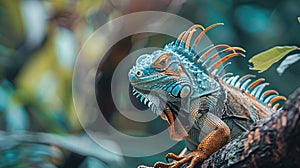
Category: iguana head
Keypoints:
(161, 82)
(158, 78)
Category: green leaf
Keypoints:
(264, 60)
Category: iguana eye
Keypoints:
(139, 73)
(162, 61)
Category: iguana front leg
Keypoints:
(213, 141)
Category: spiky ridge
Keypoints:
(207, 62)
(254, 89)
(203, 61)
(202, 64)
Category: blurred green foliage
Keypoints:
(39, 41)
(12, 27)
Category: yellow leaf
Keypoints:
(264, 60)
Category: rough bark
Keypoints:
(272, 142)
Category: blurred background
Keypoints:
(39, 41)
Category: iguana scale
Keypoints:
(200, 106)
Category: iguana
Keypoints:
(200, 105)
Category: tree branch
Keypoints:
(272, 142)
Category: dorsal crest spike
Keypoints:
(204, 31)
(192, 30)
(222, 69)
(277, 98)
(267, 100)
(227, 49)
(226, 75)
(184, 37)
(242, 79)
(205, 50)
(204, 55)
(179, 38)
(260, 89)
(266, 93)
(187, 44)
(234, 80)
(245, 84)
(227, 57)
(275, 107)
(232, 49)
(256, 82)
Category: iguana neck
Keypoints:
(212, 102)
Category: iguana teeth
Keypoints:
(149, 104)
(142, 99)
(138, 95)
(146, 101)
(155, 111)
(152, 107)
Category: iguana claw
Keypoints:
(173, 156)
(192, 158)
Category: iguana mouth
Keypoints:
(154, 102)
(143, 98)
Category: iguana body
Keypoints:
(200, 106)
